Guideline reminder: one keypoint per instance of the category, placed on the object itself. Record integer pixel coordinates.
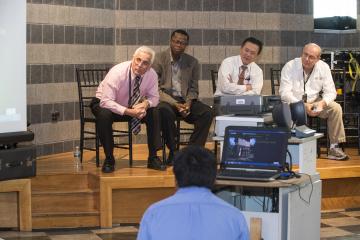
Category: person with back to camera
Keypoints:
(129, 92)
(178, 82)
(304, 79)
(193, 212)
(240, 75)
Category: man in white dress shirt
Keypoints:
(305, 78)
(240, 75)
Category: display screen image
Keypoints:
(257, 148)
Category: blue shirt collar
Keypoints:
(193, 189)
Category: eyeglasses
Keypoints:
(178, 42)
(310, 57)
(141, 63)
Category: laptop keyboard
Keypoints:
(246, 174)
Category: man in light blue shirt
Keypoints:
(193, 212)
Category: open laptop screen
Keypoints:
(255, 147)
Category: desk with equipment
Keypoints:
(293, 116)
(302, 150)
(289, 209)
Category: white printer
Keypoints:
(245, 105)
(221, 122)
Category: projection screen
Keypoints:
(12, 66)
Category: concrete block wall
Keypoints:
(65, 34)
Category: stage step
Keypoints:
(65, 200)
(60, 181)
(60, 201)
(65, 220)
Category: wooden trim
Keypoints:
(339, 172)
(105, 205)
(107, 184)
(255, 228)
(23, 187)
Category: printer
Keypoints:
(245, 105)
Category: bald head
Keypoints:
(310, 55)
(313, 47)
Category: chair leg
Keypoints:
(163, 150)
(215, 148)
(130, 145)
(97, 146)
(358, 132)
(81, 141)
(97, 151)
(178, 134)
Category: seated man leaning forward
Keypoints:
(129, 92)
(305, 78)
(178, 81)
(240, 75)
(193, 212)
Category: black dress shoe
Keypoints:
(155, 163)
(108, 166)
(170, 159)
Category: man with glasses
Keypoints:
(240, 75)
(129, 92)
(309, 79)
(178, 83)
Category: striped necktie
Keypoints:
(135, 124)
(242, 75)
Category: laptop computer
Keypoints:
(253, 153)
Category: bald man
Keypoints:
(305, 78)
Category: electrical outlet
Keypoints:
(55, 116)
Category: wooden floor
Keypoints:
(341, 188)
(63, 196)
(64, 162)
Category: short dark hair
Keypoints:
(181, 31)
(195, 166)
(254, 41)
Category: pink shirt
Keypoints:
(113, 91)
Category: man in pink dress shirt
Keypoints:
(113, 102)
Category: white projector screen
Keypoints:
(12, 66)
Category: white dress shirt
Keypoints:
(228, 76)
(292, 82)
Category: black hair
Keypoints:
(254, 41)
(181, 31)
(195, 166)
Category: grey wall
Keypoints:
(65, 34)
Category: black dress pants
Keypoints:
(201, 116)
(105, 119)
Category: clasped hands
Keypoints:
(138, 110)
(247, 83)
(314, 109)
(183, 108)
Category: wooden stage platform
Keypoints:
(62, 196)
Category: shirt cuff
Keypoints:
(121, 110)
(327, 101)
(150, 103)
